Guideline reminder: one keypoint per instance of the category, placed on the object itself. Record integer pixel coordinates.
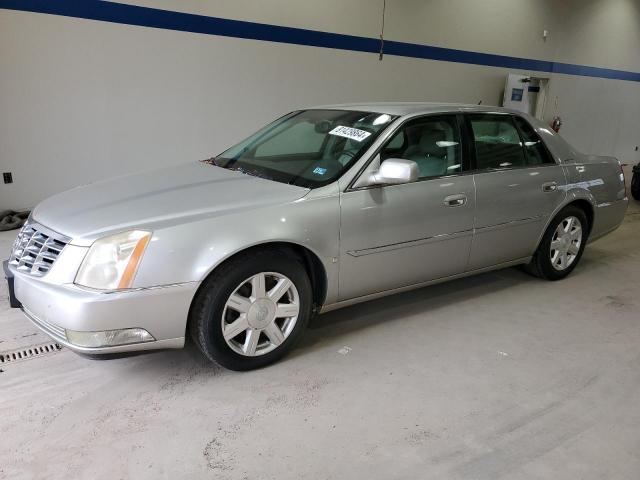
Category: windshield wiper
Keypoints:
(253, 173)
(247, 171)
(210, 161)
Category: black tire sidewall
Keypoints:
(635, 186)
(210, 301)
(543, 254)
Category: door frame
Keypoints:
(469, 138)
(465, 151)
(468, 151)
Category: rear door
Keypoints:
(518, 186)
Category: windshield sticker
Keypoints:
(319, 171)
(351, 133)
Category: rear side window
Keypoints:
(536, 152)
(497, 142)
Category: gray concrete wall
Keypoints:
(83, 100)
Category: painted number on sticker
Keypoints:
(352, 133)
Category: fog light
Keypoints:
(109, 338)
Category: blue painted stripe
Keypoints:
(188, 22)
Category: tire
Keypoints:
(635, 184)
(257, 342)
(10, 220)
(542, 263)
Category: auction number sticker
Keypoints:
(352, 133)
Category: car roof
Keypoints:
(558, 145)
(413, 108)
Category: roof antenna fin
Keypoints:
(384, 8)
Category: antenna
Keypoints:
(384, 8)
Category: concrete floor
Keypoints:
(497, 376)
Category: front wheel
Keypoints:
(250, 312)
(562, 245)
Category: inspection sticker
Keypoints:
(352, 133)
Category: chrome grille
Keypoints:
(36, 249)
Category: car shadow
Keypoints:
(396, 307)
(325, 328)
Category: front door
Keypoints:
(518, 185)
(399, 235)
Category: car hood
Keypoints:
(157, 199)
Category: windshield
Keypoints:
(308, 148)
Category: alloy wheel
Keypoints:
(565, 243)
(260, 314)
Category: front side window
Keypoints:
(534, 149)
(432, 142)
(497, 142)
(308, 148)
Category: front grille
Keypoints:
(36, 249)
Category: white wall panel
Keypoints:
(83, 100)
(604, 33)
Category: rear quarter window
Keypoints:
(534, 148)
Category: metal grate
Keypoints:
(36, 249)
(29, 352)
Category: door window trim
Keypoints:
(544, 145)
(464, 152)
(470, 140)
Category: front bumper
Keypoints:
(8, 275)
(162, 311)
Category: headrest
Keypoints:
(428, 140)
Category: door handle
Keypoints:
(455, 200)
(580, 168)
(549, 187)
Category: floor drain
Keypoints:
(26, 353)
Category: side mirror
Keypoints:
(395, 171)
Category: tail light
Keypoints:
(622, 179)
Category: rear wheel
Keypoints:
(251, 311)
(562, 245)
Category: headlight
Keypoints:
(112, 262)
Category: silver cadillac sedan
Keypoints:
(320, 209)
